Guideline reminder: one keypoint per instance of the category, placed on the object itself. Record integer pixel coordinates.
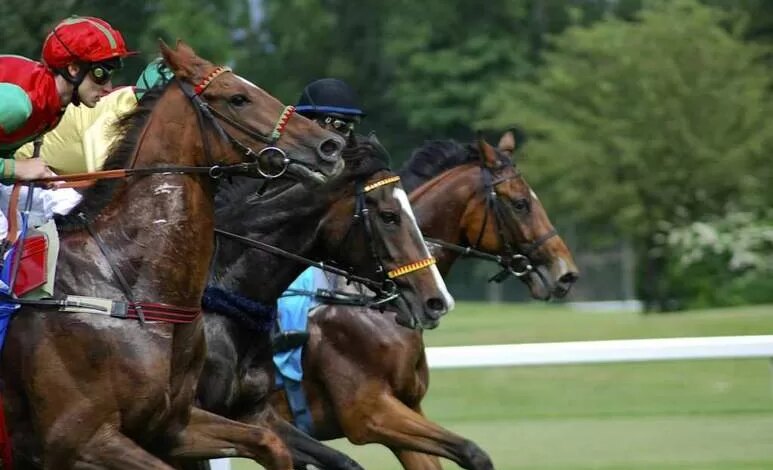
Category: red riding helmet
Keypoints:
(83, 39)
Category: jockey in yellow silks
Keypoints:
(83, 137)
(79, 143)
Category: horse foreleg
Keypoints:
(209, 436)
(109, 449)
(386, 420)
(416, 461)
(308, 452)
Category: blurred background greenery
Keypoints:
(648, 121)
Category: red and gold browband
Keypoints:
(198, 89)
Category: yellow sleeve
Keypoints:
(100, 135)
(61, 148)
(80, 142)
(24, 152)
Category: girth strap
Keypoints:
(151, 311)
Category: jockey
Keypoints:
(333, 104)
(79, 143)
(83, 137)
(78, 60)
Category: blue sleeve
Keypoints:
(15, 107)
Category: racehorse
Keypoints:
(369, 387)
(114, 388)
(362, 221)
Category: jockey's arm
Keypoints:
(14, 112)
(16, 108)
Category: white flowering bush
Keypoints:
(744, 240)
(723, 261)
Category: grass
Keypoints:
(686, 415)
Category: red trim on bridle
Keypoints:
(203, 84)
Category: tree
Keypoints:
(640, 126)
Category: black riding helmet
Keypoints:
(329, 97)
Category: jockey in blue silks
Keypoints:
(333, 104)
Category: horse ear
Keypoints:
(507, 143)
(488, 153)
(171, 57)
(182, 59)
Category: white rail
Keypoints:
(580, 352)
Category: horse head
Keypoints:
(237, 121)
(507, 218)
(371, 227)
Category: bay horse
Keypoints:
(363, 221)
(100, 389)
(368, 387)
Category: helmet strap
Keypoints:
(75, 80)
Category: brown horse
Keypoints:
(87, 390)
(362, 221)
(364, 376)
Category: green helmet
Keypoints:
(155, 74)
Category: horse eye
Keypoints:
(238, 100)
(390, 218)
(521, 205)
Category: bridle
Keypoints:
(361, 214)
(514, 260)
(205, 111)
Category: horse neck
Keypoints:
(289, 220)
(158, 229)
(440, 205)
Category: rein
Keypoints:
(383, 289)
(386, 290)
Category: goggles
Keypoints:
(340, 125)
(101, 73)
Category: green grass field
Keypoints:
(687, 415)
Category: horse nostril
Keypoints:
(569, 278)
(330, 148)
(435, 307)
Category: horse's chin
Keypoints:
(306, 175)
(536, 281)
(315, 177)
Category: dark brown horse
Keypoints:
(364, 376)
(362, 221)
(87, 390)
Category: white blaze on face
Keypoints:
(246, 82)
(400, 195)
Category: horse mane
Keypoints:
(436, 157)
(363, 158)
(97, 197)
